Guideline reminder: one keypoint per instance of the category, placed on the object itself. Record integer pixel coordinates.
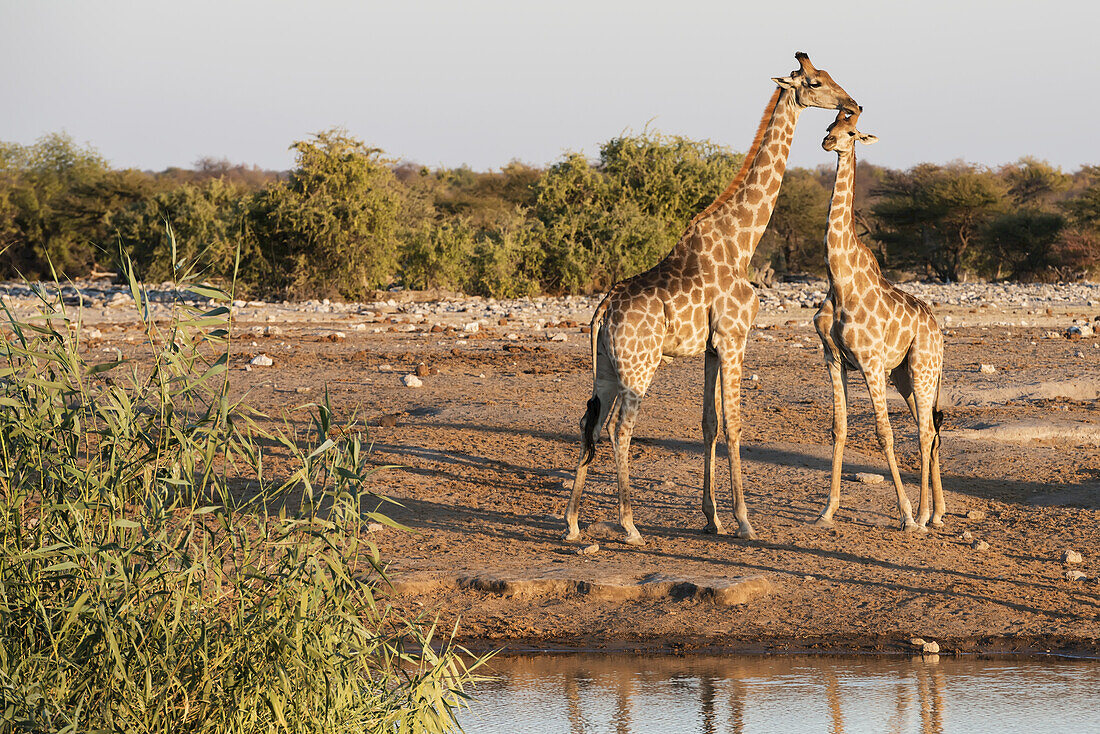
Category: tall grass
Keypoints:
(157, 573)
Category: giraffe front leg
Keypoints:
(839, 375)
(629, 404)
(731, 352)
(875, 377)
(710, 439)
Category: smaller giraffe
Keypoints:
(866, 323)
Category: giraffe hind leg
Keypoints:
(599, 406)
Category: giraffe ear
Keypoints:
(868, 139)
(784, 81)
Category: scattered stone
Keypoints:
(559, 337)
(301, 390)
(472, 327)
(967, 536)
(868, 478)
(412, 381)
(387, 421)
(1071, 556)
(930, 648)
(917, 642)
(987, 369)
(1079, 331)
(436, 329)
(511, 337)
(423, 370)
(262, 360)
(976, 515)
(809, 578)
(385, 368)
(374, 527)
(1075, 575)
(589, 550)
(337, 336)
(754, 377)
(979, 545)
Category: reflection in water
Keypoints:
(622, 694)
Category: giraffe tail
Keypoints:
(937, 414)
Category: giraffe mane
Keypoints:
(747, 163)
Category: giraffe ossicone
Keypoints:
(696, 300)
(867, 323)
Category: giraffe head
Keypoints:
(815, 88)
(842, 135)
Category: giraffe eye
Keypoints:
(851, 134)
(815, 84)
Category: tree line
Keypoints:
(347, 220)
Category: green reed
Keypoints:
(157, 574)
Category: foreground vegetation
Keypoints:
(167, 563)
(347, 220)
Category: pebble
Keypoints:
(472, 327)
(975, 515)
(1071, 556)
(979, 545)
(559, 337)
(1075, 575)
(967, 536)
(987, 369)
(412, 381)
(930, 648)
(589, 550)
(868, 478)
(374, 527)
(262, 360)
(917, 642)
(385, 368)
(754, 377)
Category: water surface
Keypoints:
(591, 694)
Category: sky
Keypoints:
(152, 84)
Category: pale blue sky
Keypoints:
(153, 84)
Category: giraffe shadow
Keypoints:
(811, 457)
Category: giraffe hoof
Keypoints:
(824, 522)
(911, 527)
(937, 522)
(636, 540)
(713, 529)
(746, 533)
(572, 536)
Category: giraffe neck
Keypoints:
(849, 261)
(741, 213)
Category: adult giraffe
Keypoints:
(866, 323)
(698, 299)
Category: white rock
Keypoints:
(559, 338)
(917, 642)
(1074, 575)
(868, 478)
(589, 550)
(975, 515)
(374, 527)
(1071, 556)
(979, 545)
(930, 648)
(754, 377)
(412, 381)
(272, 331)
(262, 360)
(967, 536)
(511, 337)
(385, 368)
(472, 327)
(987, 369)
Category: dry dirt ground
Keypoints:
(486, 446)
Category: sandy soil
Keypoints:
(487, 444)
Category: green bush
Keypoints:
(331, 230)
(155, 576)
